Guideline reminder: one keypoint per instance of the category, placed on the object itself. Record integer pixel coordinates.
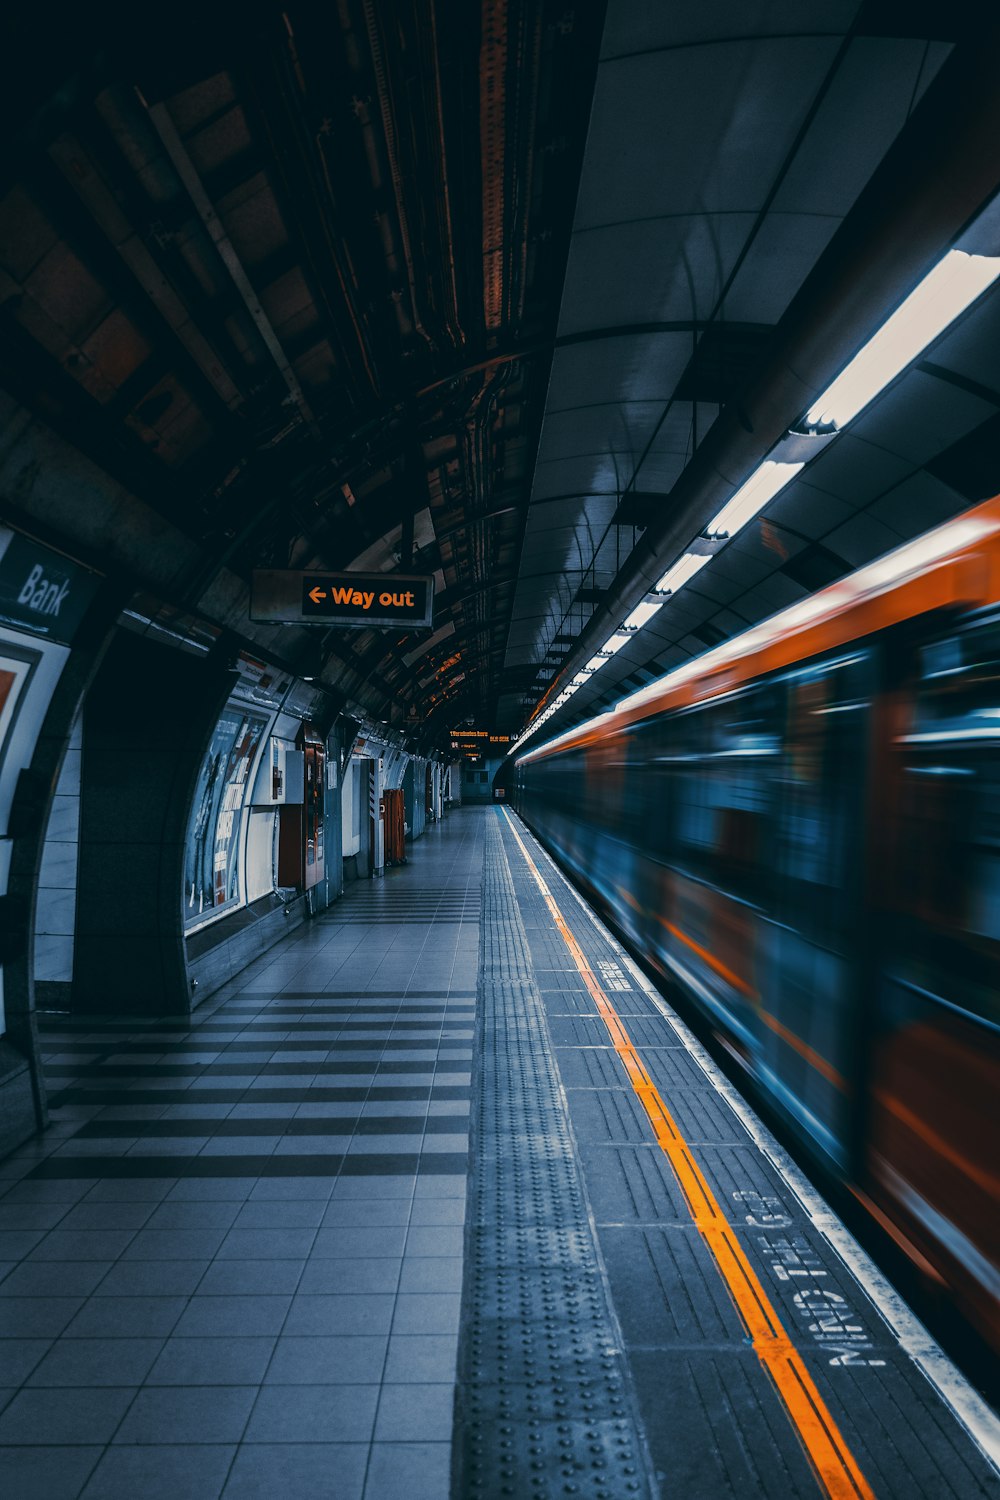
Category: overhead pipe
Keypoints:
(186, 170)
(936, 177)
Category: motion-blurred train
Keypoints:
(802, 829)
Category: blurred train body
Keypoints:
(802, 829)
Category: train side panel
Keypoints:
(822, 876)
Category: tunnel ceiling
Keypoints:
(464, 289)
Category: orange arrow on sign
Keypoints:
(317, 594)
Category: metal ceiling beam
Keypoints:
(187, 172)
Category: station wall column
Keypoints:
(375, 815)
(334, 817)
(148, 720)
(24, 1109)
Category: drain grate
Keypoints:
(544, 1407)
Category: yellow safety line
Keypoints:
(832, 1461)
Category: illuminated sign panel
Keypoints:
(354, 600)
(41, 592)
(480, 742)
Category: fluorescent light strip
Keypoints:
(683, 569)
(953, 285)
(642, 614)
(760, 488)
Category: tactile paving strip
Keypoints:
(544, 1404)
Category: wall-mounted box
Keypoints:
(280, 776)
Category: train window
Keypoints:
(723, 761)
(959, 680)
(823, 768)
(946, 881)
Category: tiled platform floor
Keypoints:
(233, 1266)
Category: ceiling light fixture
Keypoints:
(682, 571)
(642, 614)
(762, 486)
(953, 285)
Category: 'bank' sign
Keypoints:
(355, 600)
(41, 592)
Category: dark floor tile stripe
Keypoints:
(444, 1163)
(377, 1093)
(246, 1070)
(110, 1130)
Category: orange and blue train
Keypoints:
(801, 828)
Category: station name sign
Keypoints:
(478, 741)
(41, 592)
(353, 600)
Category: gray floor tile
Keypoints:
(55, 1278)
(438, 1211)
(427, 1312)
(425, 1358)
(126, 1317)
(414, 1413)
(360, 1213)
(18, 1357)
(36, 1317)
(431, 1273)
(83, 1244)
(361, 1313)
(307, 1414)
(387, 1239)
(197, 1213)
(16, 1243)
(375, 1187)
(298, 1471)
(211, 1361)
(304, 1213)
(226, 1278)
(416, 1471)
(196, 1414)
(53, 1473)
(31, 1216)
(280, 1189)
(75, 1416)
(344, 1275)
(152, 1278)
(175, 1244)
(221, 1189)
(345, 1360)
(435, 1239)
(96, 1216)
(96, 1362)
(266, 1244)
(232, 1316)
(440, 1185)
(161, 1472)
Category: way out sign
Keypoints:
(354, 600)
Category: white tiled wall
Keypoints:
(55, 913)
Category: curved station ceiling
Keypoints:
(515, 294)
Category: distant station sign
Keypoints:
(480, 742)
(354, 600)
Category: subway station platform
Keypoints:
(438, 1199)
